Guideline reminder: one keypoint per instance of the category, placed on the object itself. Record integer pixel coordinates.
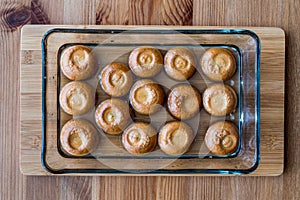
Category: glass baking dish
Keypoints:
(114, 46)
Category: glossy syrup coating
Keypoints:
(116, 79)
(139, 138)
(112, 116)
(145, 61)
(219, 100)
(77, 62)
(180, 63)
(175, 138)
(78, 137)
(218, 64)
(222, 138)
(77, 98)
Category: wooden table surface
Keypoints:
(279, 13)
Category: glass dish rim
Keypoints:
(153, 31)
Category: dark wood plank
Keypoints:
(75, 188)
(12, 16)
(41, 188)
(291, 176)
(145, 12)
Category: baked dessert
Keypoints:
(112, 116)
(180, 63)
(219, 100)
(175, 138)
(146, 96)
(116, 79)
(139, 138)
(78, 137)
(222, 138)
(77, 62)
(218, 64)
(145, 61)
(76, 98)
(184, 101)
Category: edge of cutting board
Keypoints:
(272, 98)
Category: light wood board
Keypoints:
(272, 104)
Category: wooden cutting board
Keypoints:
(272, 97)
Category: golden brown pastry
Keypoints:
(116, 79)
(184, 101)
(112, 116)
(222, 138)
(139, 138)
(180, 63)
(76, 98)
(77, 62)
(218, 64)
(145, 61)
(78, 137)
(219, 100)
(175, 138)
(146, 96)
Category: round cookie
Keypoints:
(175, 138)
(77, 62)
(139, 138)
(222, 138)
(146, 96)
(112, 116)
(218, 64)
(219, 100)
(145, 61)
(76, 98)
(78, 137)
(116, 79)
(184, 101)
(180, 63)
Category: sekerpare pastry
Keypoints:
(139, 138)
(77, 98)
(180, 63)
(77, 62)
(222, 138)
(112, 116)
(78, 137)
(218, 64)
(116, 79)
(145, 61)
(175, 138)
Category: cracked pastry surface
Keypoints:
(76, 98)
(146, 96)
(175, 138)
(78, 137)
(116, 79)
(145, 61)
(218, 64)
(139, 138)
(222, 138)
(112, 116)
(219, 100)
(184, 101)
(77, 62)
(179, 63)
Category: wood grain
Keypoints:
(38, 16)
(280, 13)
(145, 12)
(12, 16)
